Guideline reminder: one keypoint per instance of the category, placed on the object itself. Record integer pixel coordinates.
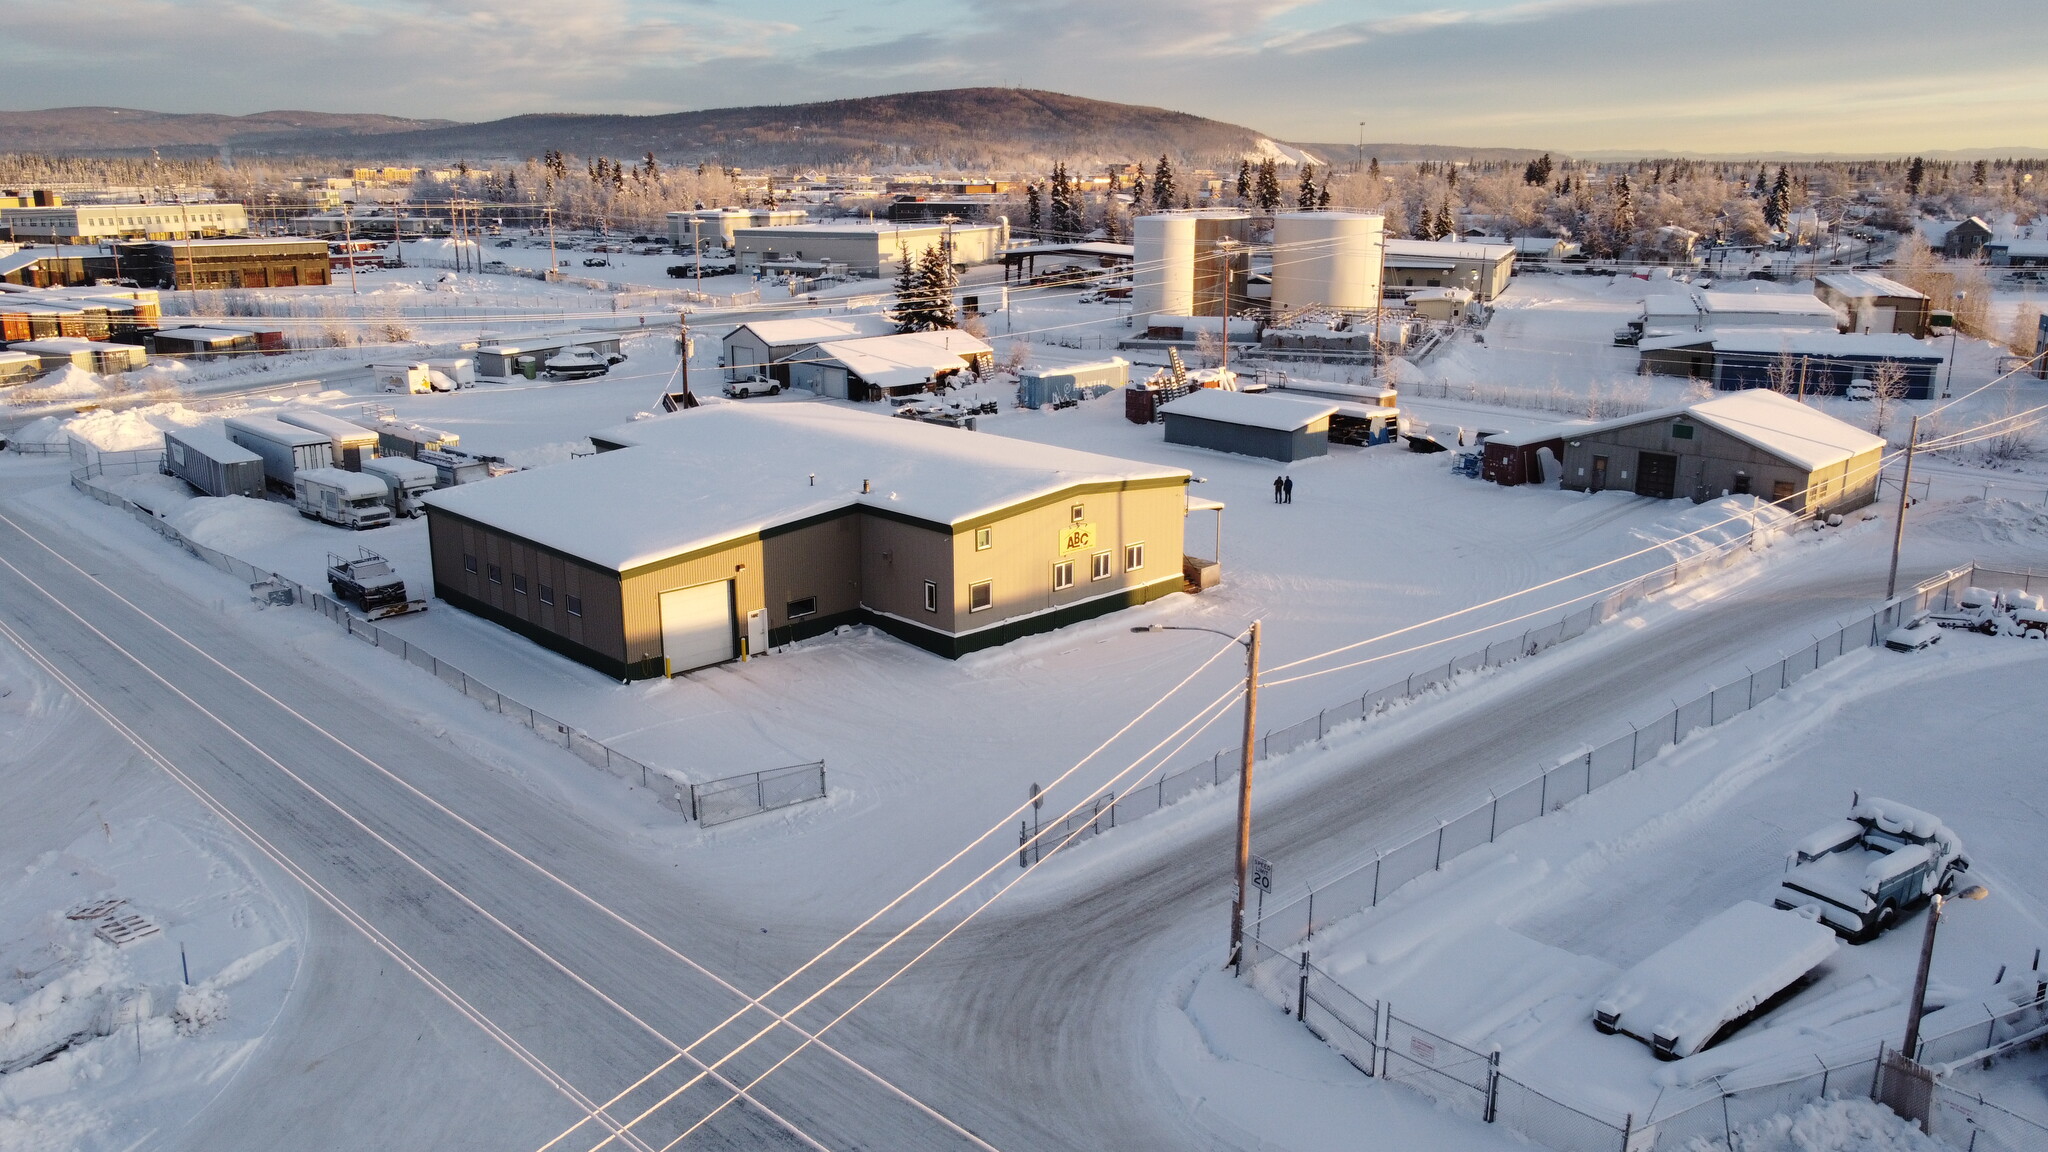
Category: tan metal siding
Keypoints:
(640, 593)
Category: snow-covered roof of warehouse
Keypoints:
(1773, 303)
(1785, 428)
(1864, 285)
(905, 358)
(693, 479)
(818, 329)
(1252, 409)
(1449, 249)
(1800, 342)
(2021, 247)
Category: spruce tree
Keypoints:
(1778, 208)
(1269, 185)
(1163, 189)
(1034, 211)
(1914, 175)
(1306, 197)
(1138, 191)
(1624, 212)
(907, 310)
(1373, 169)
(1323, 195)
(1244, 181)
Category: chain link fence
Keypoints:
(727, 799)
(1971, 1123)
(1110, 810)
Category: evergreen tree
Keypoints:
(1163, 189)
(1306, 196)
(650, 167)
(1915, 173)
(1138, 191)
(924, 292)
(1269, 185)
(1323, 195)
(1978, 174)
(1034, 211)
(1244, 181)
(907, 309)
(1759, 189)
(1373, 169)
(1778, 207)
(1624, 212)
(1538, 171)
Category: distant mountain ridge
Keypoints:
(118, 131)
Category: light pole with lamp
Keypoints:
(348, 240)
(1955, 328)
(1917, 1005)
(1250, 639)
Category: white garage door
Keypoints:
(696, 626)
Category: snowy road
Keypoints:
(1030, 1030)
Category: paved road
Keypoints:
(1030, 1031)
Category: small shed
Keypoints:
(202, 343)
(19, 367)
(1250, 424)
(765, 347)
(1875, 304)
(1041, 386)
(1510, 460)
(904, 364)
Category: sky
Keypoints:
(1879, 77)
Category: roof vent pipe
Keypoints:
(866, 487)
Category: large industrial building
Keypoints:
(258, 263)
(1481, 268)
(93, 223)
(1752, 443)
(866, 249)
(729, 529)
(716, 226)
(1188, 262)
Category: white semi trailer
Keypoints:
(353, 443)
(286, 450)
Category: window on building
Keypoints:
(808, 606)
(1063, 575)
(983, 538)
(496, 574)
(980, 597)
(519, 583)
(1134, 556)
(547, 595)
(1100, 569)
(1077, 513)
(574, 604)
(931, 596)
(1681, 431)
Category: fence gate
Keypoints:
(1905, 1087)
(1441, 1069)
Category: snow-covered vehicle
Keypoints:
(1976, 610)
(370, 583)
(1913, 637)
(1861, 874)
(2032, 622)
(576, 364)
(1688, 993)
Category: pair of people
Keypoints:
(1283, 489)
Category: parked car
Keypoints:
(2032, 622)
(1860, 875)
(753, 386)
(1861, 390)
(1919, 634)
(596, 262)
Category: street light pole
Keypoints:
(1916, 1006)
(1891, 582)
(1250, 640)
(1955, 328)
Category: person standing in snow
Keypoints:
(1278, 483)
(1287, 489)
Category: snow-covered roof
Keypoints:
(1455, 295)
(16, 261)
(723, 471)
(330, 426)
(9, 356)
(1449, 249)
(1785, 428)
(1665, 341)
(353, 485)
(816, 329)
(205, 335)
(1866, 285)
(1251, 409)
(1802, 342)
(856, 228)
(1718, 304)
(903, 359)
(65, 344)
(2027, 248)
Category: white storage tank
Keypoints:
(1327, 260)
(1163, 276)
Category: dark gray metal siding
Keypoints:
(1245, 440)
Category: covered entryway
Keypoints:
(1656, 475)
(697, 626)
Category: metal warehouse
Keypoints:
(1751, 443)
(1250, 424)
(1821, 363)
(1875, 304)
(707, 535)
(765, 347)
(867, 249)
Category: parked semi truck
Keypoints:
(285, 450)
(1687, 993)
(405, 481)
(212, 463)
(352, 443)
(1861, 874)
(342, 498)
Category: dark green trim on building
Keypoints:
(953, 647)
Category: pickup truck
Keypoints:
(1861, 874)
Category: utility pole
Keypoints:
(1227, 245)
(549, 211)
(1244, 796)
(192, 270)
(1891, 583)
(348, 241)
(697, 250)
(1955, 328)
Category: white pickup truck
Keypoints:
(1688, 992)
(1861, 874)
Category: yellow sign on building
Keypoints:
(1079, 537)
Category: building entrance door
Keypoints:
(1599, 482)
(1656, 475)
(697, 626)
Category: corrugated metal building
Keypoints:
(1752, 443)
(1874, 304)
(1250, 424)
(733, 527)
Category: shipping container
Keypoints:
(407, 378)
(1040, 387)
(208, 461)
(353, 443)
(407, 482)
(285, 449)
(409, 440)
(460, 370)
(19, 368)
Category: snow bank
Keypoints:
(67, 383)
(234, 524)
(1849, 1124)
(132, 429)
